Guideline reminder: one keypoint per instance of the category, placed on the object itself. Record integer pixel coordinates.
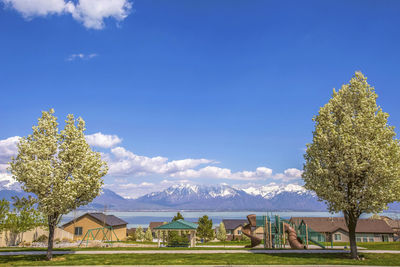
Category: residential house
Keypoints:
(153, 225)
(394, 224)
(335, 229)
(234, 228)
(113, 227)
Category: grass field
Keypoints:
(197, 259)
(370, 245)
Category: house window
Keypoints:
(229, 232)
(338, 237)
(239, 232)
(371, 239)
(358, 239)
(78, 230)
(365, 239)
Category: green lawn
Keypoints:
(370, 245)
(225, 243)
(196, 259)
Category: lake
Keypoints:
(143, 218)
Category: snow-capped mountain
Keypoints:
(225, 197)
(203, 197)
(271, 190)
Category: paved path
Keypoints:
(263, 251)
(228, 265)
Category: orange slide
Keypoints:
(255, 241)
(294, 242)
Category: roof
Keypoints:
(394, 223)
(231, 224)
(178, 225)
(332, 224)
(153, 225)
(108, 220)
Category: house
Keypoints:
(394, 224)
(153, 225)
(99, 221)
(335, 229)
(234, 228)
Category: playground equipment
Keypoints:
(277, 233)
(106, 232)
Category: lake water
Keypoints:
(143, 218)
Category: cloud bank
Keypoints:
(126, 168)
(91, 13)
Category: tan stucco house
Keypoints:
(90, 221)
(234, 228)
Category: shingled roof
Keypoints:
(153, 225)
(332, 224)
(108, 220)
(178, 225)
(231, 224)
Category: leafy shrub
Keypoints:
(41, 239)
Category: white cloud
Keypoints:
(32, 8)
(289, 175)
(224, 173)
(124, 162)
(90, 12)
(103, 140)
(8, 149)
(93, 12)
(82, 56)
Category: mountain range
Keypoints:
(221, 197)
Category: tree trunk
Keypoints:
(52, 225)
(351, 222)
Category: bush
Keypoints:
(41, 239)
(132, 237)
(176, 239)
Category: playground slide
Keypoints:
(294, 242)
(255, 241)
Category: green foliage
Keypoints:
(244, 237)
(41, 239)
(139, 233)
(4, 211)
(23, 217)
(221, 232)
(60, 168)
(204, 230)
(148, 236)
(132, 236)
(353, 162)
(178, 216)
(177, 239)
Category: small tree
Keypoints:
(139, 233)
(24, 217)
(132, 236)
(353, 162)
(149, 235)
(204, 230)
(221, 232)
(178, 216)
(4, 210)
(60, 168)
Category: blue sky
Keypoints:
(235, 83)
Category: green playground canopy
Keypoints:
(178, 225)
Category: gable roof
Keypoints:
(178, 225)
(109, 220)
(332, 224)
(231, 224)
(153, 225)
